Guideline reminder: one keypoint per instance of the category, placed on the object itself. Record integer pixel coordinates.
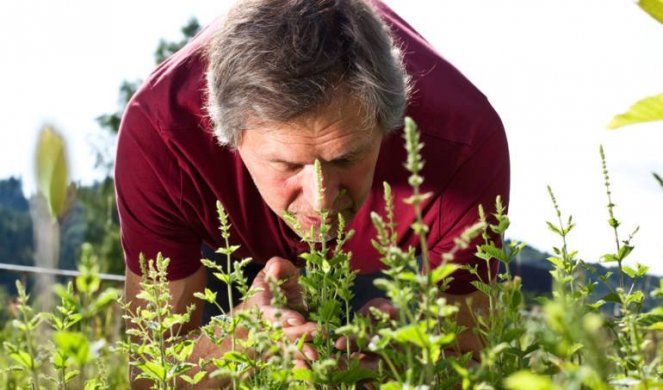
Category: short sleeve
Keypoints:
(148, 188)
(479, 179)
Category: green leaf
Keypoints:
(209, 296)
(645, 110)
(624, 251)
(52, 171)
(23, 358)
(196, 378)
(228, 251)
(653, 8)
(353, 375)
(70, 375)
(73, 344)
(225, 278)
(152, 371)
(302, 374)
(609, 258)
(554, 228)
(442, 272)
(658, 178)
(526, 380)
(59, 360)
(483, 287)
(235, 356)
(109, 295)
(494, 252)
(612, 297)
(413, 334)
(628, 271)
(650, 318)
(391, 386)
(556, 261)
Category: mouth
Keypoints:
(316, 220)
(305, 223)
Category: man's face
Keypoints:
(280, 158)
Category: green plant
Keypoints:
(156, 348)
(565, 341)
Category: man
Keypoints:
(242, 112)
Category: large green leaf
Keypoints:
(74, 345)
(52, 171)
(653, 8)
(646, 110)
(526, 380)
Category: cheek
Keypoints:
(283, 191)
(359, 180)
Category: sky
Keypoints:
(555, 70)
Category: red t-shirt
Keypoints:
(170, 171)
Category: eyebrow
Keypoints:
(344, 157)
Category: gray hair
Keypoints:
(278, 60)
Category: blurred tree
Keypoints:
(111, 122)
(16, 237)
(101, 217)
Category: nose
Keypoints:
(320, 193)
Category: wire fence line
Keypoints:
(55, 271)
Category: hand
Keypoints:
(367, 359)
(290, 317)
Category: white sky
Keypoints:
(555, 70)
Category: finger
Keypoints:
(307, 330)
(307, 353)
(286, 317)
(343, 342)
(366, 360)
(280, 268)
(285, 271)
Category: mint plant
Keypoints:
(569, 340)
(156, 348)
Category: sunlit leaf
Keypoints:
(23, 358)
(152, 371)
(73, 344)
(70, 375)
(645, 110)
(109, 295)
(195, 379)
(302, 374)
(443, 271)
(525, 380)
(52, 171)
(653, 8)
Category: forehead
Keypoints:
(328, 133)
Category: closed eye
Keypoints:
(344, 162)
(283, 166)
